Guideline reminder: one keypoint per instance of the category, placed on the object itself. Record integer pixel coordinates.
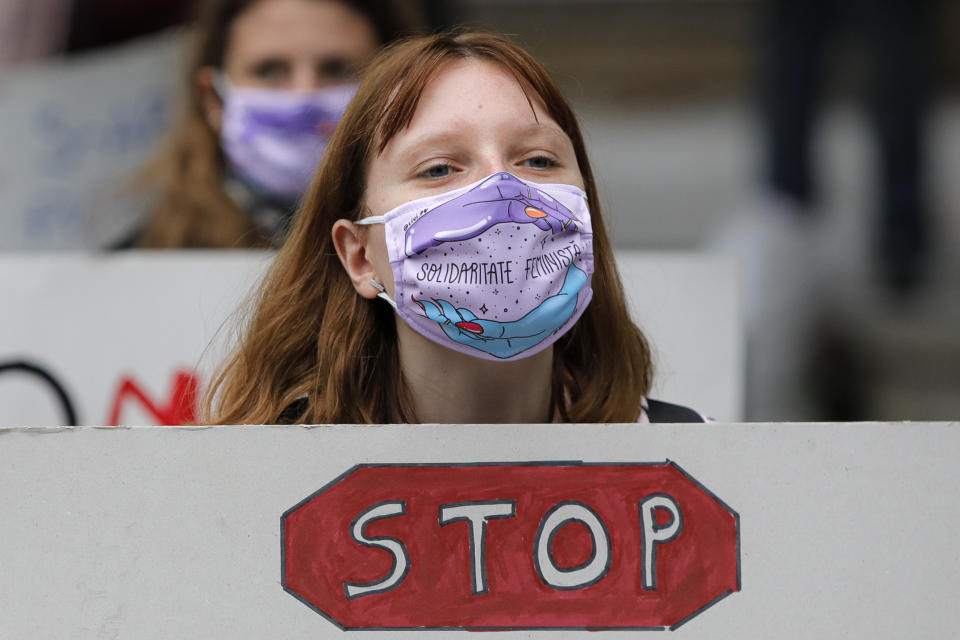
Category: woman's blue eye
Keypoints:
(271, 70)
(437, 171)
(540, 162)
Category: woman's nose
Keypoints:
(304, 78)
(491, 165)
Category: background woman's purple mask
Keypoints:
(274, 140)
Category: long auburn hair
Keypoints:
(311, 335)
(192, 210)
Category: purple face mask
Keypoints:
(274, 139)
(499, 269)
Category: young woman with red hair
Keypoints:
(456, 193)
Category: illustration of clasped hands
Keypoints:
(493, 248)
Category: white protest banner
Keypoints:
(74, 131)
(123, 335)
(717, 531)
(132, 338)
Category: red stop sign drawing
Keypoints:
(509, 546)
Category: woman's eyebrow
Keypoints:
(541, 129)
(411, 148)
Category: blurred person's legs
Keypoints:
(794, 40)
(772, 236)
(784, 294)
(902, 40)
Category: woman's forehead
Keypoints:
(466, 96)
(287, 27)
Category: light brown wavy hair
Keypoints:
(311, 335)
(192, 210)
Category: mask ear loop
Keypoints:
(379, 287)
(383, 293)
(221, 85)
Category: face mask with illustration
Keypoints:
(274, 139)
(499, 269)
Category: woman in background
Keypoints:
(456, 194)
(268, 81)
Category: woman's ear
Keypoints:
(211, 101)
(350, 240)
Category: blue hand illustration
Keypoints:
(498, 199)
(507, 339)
